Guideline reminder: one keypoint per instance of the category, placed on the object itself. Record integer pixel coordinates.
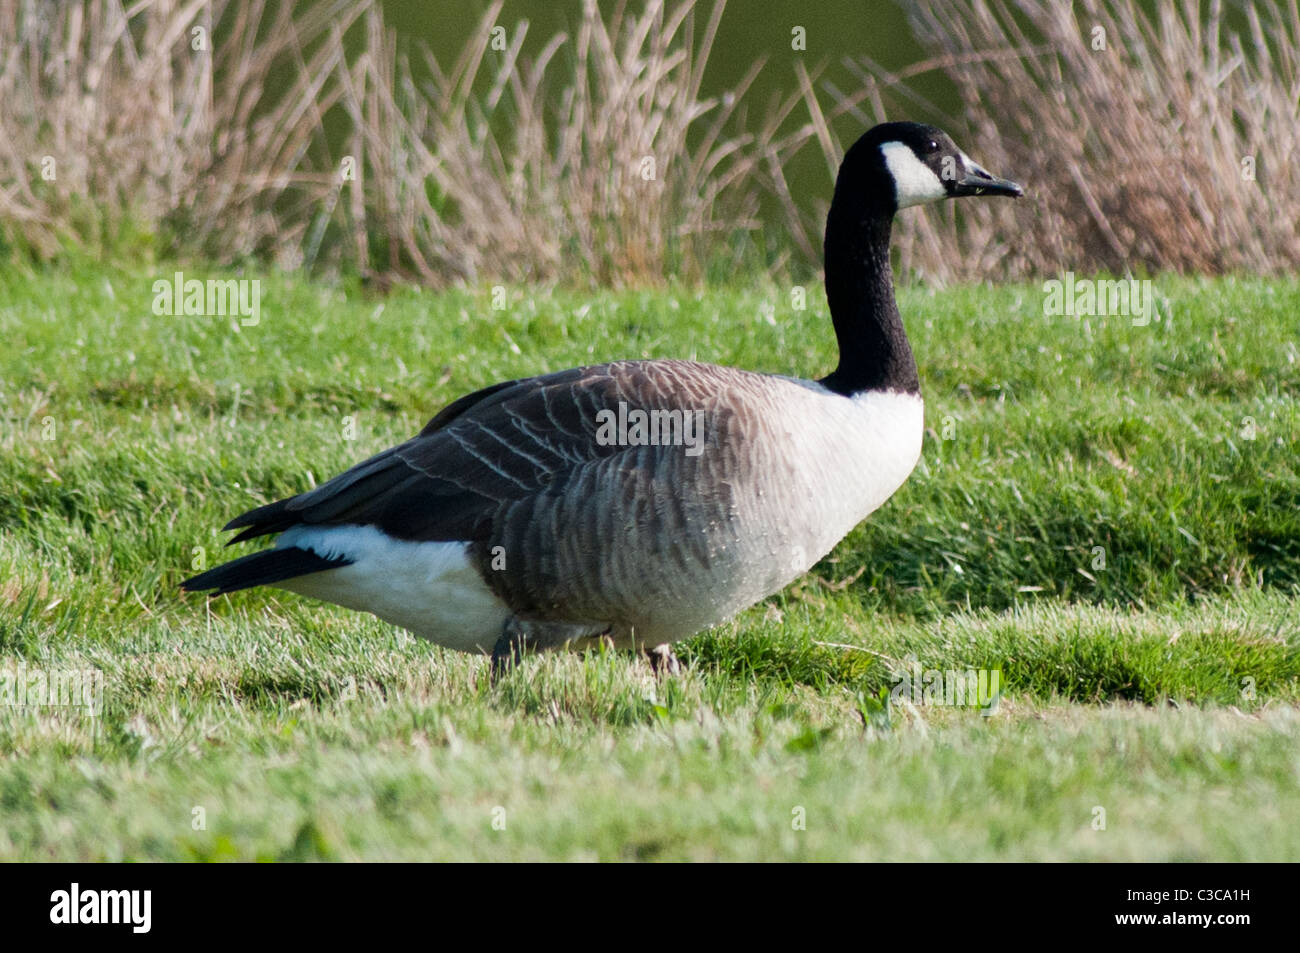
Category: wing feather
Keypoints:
(491, 448)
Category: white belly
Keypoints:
(431, 589)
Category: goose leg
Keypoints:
(520, 635)
(509, 650)
(663, 661)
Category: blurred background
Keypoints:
(631, 143)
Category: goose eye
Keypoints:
(932, 146)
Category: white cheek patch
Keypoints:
(914, 182)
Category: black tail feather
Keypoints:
(263, 521)
(261, 569)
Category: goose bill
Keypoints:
(978, 181)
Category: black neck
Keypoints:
(874, 353)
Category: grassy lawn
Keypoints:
(1106, 514)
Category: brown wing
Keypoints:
(482, 452)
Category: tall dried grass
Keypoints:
(596, 159)
(1170, 149)
(134, 120)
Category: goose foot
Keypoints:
(663, 661)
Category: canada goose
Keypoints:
(535, 514)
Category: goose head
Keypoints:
(893, 166)
(896, 165)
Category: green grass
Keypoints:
(1109, 515)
